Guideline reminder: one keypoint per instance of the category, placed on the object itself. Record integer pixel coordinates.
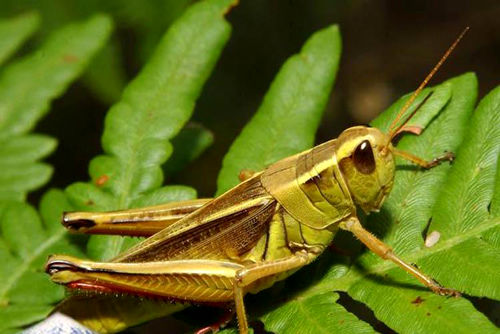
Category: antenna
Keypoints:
(393, 129)
(399, 128)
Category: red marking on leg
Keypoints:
(108, 288)
(103, 287)
(206, 330)
(221, 323)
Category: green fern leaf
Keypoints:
(21, 171)
(315, 314)
(28, 86)
(13, 32)
(105, 75)
(26, 89)
(26, 293)
(495, 202)
(189, 144)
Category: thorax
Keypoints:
(310, 187)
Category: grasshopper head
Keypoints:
(366, 155)
(367, 165)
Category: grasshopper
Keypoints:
(274, 222)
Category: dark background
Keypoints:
(388, 48)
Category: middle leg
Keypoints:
(384, 251)
(246, 276)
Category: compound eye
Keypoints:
(363, 158)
